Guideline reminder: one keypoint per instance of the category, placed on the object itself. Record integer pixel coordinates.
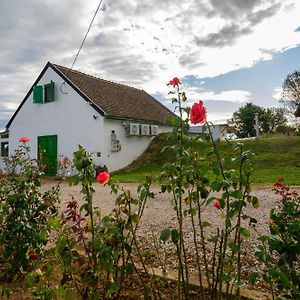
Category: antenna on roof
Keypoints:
(82, 43)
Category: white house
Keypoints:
(65, 108)
(219, 131)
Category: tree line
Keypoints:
(271, 120)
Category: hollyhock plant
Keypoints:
(103, 177)
(24, 139)
(175, 81)
(198, 113)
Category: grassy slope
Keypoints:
(275, 157)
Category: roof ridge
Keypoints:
(95, 77)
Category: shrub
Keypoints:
(24, 214)
(280, 250)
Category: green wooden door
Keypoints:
(47, 154)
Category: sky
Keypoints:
(226, 53)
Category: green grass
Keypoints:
(275, 157)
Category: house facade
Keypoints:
(65, 108)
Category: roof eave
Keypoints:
(78, 90)
(27, 95)
(127, 119)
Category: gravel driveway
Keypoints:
(159, 211)
(159, 214)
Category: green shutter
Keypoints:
(52, 90)
(38, 94)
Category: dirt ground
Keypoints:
(159, 214)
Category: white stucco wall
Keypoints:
(70, 117)
(2, 140)
(219, 131)
(132, 146)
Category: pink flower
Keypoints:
(24, 139)
(103, 177)
(175, 81)
(198, 113)
(216, 204)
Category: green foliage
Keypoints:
(94, 251)
(190, 177)
(243, 120)
(275, 156)
(280, 251)
(25, 213)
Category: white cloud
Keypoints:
(277, 92)
(237, 96)
(143, 43)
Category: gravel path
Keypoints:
(159, 214)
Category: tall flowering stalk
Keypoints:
(178, 191)
(191, 179)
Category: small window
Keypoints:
(4, 136)
(4, 149)
(49, 92)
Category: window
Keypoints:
(49, 92)
(4, 136)
(4, 149)
(43, 94)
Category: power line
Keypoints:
(89, 28)
(82, 43)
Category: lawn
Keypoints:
(276, 156)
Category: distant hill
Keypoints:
(274, 157)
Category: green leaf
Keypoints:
(129, 268)
(216, 185)
(54, 223)
(210, 200)
(255, 202)
(43, 234)
(175, 236)
(165, 234)
(205, 224)
(31, 279)
(253, 277)
(233, 247)
(135, 218)
(236, 194)
(245, 232)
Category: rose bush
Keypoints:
(190, 179)
(26, 215)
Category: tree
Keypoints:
(243, 120)
(271, 119)
(291, 90)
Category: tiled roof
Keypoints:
(118, 100)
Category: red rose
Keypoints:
(198, 113)
(175, 81)
(216, 204)
(24, 139)
(103, 177)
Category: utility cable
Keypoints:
(89, 28)
(82, 43)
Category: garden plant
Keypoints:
(96, 256)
